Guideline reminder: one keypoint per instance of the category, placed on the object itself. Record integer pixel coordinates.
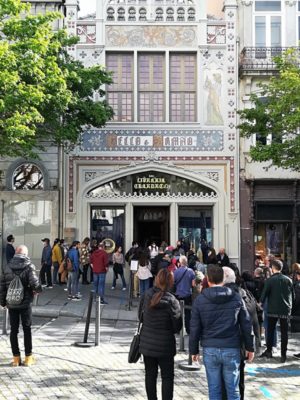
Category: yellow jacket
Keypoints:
(56, 254)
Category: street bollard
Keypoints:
(97, 322)
(5, 322)
(85, 342)
(181, 337)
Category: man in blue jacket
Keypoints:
(221, 322)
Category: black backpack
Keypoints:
(15, 291)
(250, 301)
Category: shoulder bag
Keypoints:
(134, 350)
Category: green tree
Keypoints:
(276, 111)
(45, 95)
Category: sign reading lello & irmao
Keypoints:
(158, 140)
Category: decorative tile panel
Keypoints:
(216, 34)
(149, 140)
(86, 34)
(151, 36)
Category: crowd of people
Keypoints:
(228, 313)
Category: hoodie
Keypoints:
(220, 320)
(22, 265)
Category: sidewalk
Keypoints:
(66, 372)
(54, 303)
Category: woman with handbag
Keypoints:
(118, 267)
(161, 319)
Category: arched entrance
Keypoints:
(153, 204)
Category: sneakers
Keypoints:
(29, 361)
(113, 288)
(16, 362)
(49, 287)
(124, 288)
(103, 301)
(266, 354)
(297, 356)
(76, 298)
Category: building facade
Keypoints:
(269, 196)
(167, 166)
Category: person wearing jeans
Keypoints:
(222, 364)
(221, 322)
(73, 281)
(99, 264)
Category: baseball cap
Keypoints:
(46, 240)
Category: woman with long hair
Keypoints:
(159, 311)
(144, 272)
(118, 263)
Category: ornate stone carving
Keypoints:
(151, 36)
(247, 2)
(216, 34)
(137, 196)
(290, 3)
(86, 33)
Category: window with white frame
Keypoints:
(151, 87)
(268, 23)
(120, 93)
(182, 87)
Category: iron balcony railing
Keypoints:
(261, 59)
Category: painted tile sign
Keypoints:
(159, 140)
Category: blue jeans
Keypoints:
(144, 285)
(73, 283)
(222, 363)
(99, 284)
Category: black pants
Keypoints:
(46, 270)
(166, 365)
(187, 313)
(26, 318)
(85, 269)
(272, 321)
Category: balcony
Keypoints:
(260, 60)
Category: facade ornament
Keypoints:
(157, 195)
(290, 3)
(247, 2)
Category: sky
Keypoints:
(87, 6)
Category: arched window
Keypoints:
(143, 14)
(159, 14)
(131, 14)
(121, 14)
(170, 14)
(110, 14)
(27, 176)
(191, 14)
(180, 14)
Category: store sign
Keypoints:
(150, 183)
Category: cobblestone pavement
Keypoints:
(64, 371)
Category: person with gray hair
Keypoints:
(279, 292)
(229, 280)
(184, 280)
(22, 266)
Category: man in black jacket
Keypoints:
(10, 250)
(22, 266)
(220, 320)
(279, 291)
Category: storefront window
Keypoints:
(273, 238)
(108, 223)
(29, 222)
(195, 226)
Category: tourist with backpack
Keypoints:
(18, 284)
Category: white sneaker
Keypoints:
(124, 288)
(112, 288)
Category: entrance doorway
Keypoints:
(151, 224)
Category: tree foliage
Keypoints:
(44, 93)
(276, 111)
